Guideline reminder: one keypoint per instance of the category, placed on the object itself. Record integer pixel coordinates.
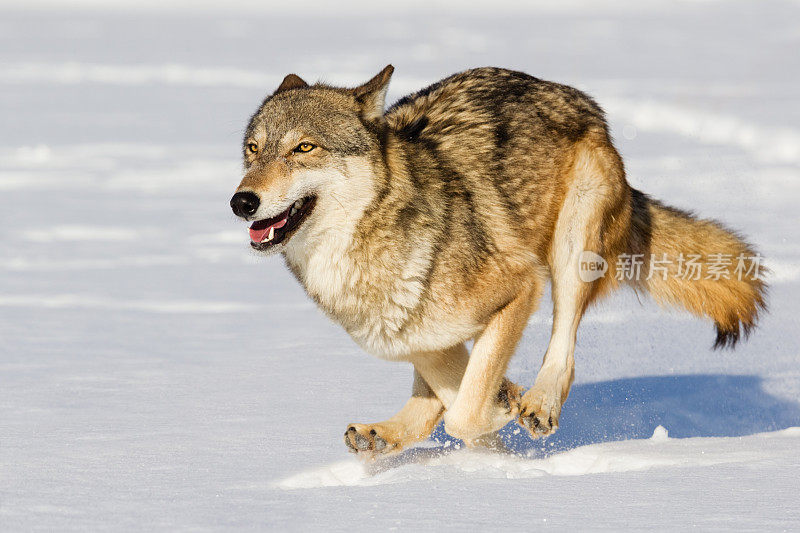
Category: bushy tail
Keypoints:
(698, 265)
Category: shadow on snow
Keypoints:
(712, 405)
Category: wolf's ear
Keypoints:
(372, 95)
(292, 81)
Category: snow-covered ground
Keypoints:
(155, 375)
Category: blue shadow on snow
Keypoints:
(711, 405)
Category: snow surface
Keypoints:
(156, 375)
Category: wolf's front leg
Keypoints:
(476, 410)
(437, 376)
(414, 422)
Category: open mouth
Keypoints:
(269, 232)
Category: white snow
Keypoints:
(81, 233)
(771, 145)
(156, 375)
(627, 456)
(74, 73)
(94, 302)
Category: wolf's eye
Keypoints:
(252, 148)
(304, 147)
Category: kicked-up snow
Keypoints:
(438, 463)
(157, 375)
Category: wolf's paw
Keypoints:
(539, 412)
(371, 439)
(470, 424)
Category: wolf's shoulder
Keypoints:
(472, 81)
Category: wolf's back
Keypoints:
(518, 133)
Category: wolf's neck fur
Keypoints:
(352, 262)
(319, 255)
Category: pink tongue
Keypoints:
(257, 235)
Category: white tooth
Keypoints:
(293, 211)
(299, 203)
(271, 234)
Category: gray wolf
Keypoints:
(441, 219)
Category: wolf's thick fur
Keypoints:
(662, 231)
(441, 219)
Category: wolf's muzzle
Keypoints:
(244, 204)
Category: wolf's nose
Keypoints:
(244, 204)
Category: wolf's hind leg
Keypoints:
(594, 218)
(414, 422)
(540, 407)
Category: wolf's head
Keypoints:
(308, 155)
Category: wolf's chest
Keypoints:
(380, 303)
(374, 304)
(381, 299)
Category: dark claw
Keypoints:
(373, 432)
